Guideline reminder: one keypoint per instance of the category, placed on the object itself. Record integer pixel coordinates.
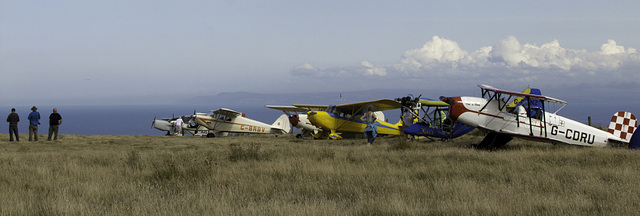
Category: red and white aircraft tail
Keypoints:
(622, 125)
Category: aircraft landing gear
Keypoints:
(211, 135)
(494, 141)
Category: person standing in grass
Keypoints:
(371, 131)
(13, 120)
(34, 121)
(54, 124)
(178, 123)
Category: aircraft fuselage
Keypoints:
(236, 125)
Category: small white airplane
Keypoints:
(169, 125)
(530, 120)
(297, 119)
(226, 120)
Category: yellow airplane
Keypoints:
(346, 117)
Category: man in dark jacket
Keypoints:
(13, 120)
(54, 123)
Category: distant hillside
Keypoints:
(249, 99)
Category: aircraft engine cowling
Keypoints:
(293, 119)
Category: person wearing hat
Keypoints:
(34, 121)
(13, 120)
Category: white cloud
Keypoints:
(370, 69)
(436, 51)
(510, 59)
(305, 69)
(365, 69)
(442, 62)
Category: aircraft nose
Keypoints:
(455, 106)
(293, 119)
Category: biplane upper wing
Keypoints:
(228, 112)
(288, 108)
(518, 94)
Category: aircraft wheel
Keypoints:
(299, 136)
(211, 135)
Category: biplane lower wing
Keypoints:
(420, 129)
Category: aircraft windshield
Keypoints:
(219, 116)
(338, 112)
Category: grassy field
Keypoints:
(265, 175)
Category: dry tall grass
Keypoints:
(265, 175)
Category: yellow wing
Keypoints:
(377, 105)
(432, 103)
(518, 99)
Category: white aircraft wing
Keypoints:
(287, 108)
(310, 107)
(228, 112)
(537, 97)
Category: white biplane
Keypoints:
(226, 120)
(530, 120)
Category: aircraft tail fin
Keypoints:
(622, 125)
(282, 123)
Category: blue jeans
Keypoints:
(370, 137)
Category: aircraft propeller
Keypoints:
(153, 123)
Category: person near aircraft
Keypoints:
(371, 131)
(54, 124)
(13, 120)
(178, 123)
(34, 121)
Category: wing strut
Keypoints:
(529, 115)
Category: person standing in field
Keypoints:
(34, 121)
(13, 120)
(179, 122)
(371, 131)
(54, 124)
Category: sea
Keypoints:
(137, 119)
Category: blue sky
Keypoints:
(131, 52)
